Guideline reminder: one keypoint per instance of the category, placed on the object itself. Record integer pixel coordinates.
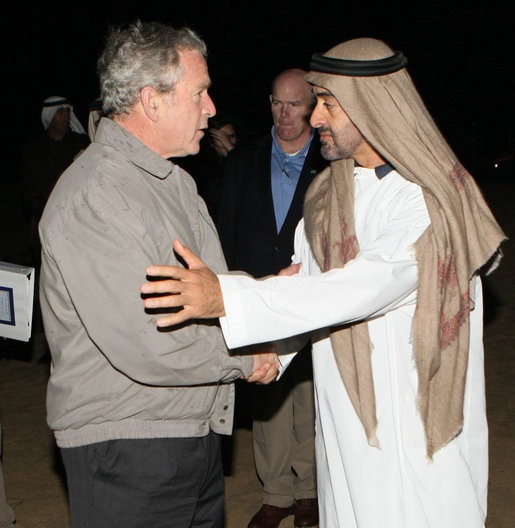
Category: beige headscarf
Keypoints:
(463, 236)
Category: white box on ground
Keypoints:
(16, 300)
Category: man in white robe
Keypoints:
(399, 444)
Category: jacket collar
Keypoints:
(114, 135)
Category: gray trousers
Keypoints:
(158, 483)
(284, 434)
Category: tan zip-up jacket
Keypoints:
(114, 375)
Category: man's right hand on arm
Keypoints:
(195, 289)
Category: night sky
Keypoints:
(461, 59)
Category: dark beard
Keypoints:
(334, 151)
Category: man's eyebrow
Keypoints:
(205, 85)
(289, 101)
(322, 93)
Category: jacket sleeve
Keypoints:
(93, 266)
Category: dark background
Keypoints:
(460, 57)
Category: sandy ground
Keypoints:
(32, 467)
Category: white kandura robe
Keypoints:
(359, 485)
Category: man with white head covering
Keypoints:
(393, 237)
(60, 105)
(43, 160)
(46, 157)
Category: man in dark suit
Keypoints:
(264, 187)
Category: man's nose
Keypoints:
(285, 110)
(316, 120)
(209, 106)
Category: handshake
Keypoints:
(196, 292)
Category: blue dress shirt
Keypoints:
(285, 171)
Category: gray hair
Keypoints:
(143, 54)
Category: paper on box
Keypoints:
(16, 300)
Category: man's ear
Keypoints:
(151, 102)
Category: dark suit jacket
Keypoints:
(246, 220)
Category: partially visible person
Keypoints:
(394, 237)
(225, 132)
(7, 516)
(43, 160)
(264, 186)
(46, 157)
(95, 114)
(137, 413)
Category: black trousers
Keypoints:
(149, 483)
